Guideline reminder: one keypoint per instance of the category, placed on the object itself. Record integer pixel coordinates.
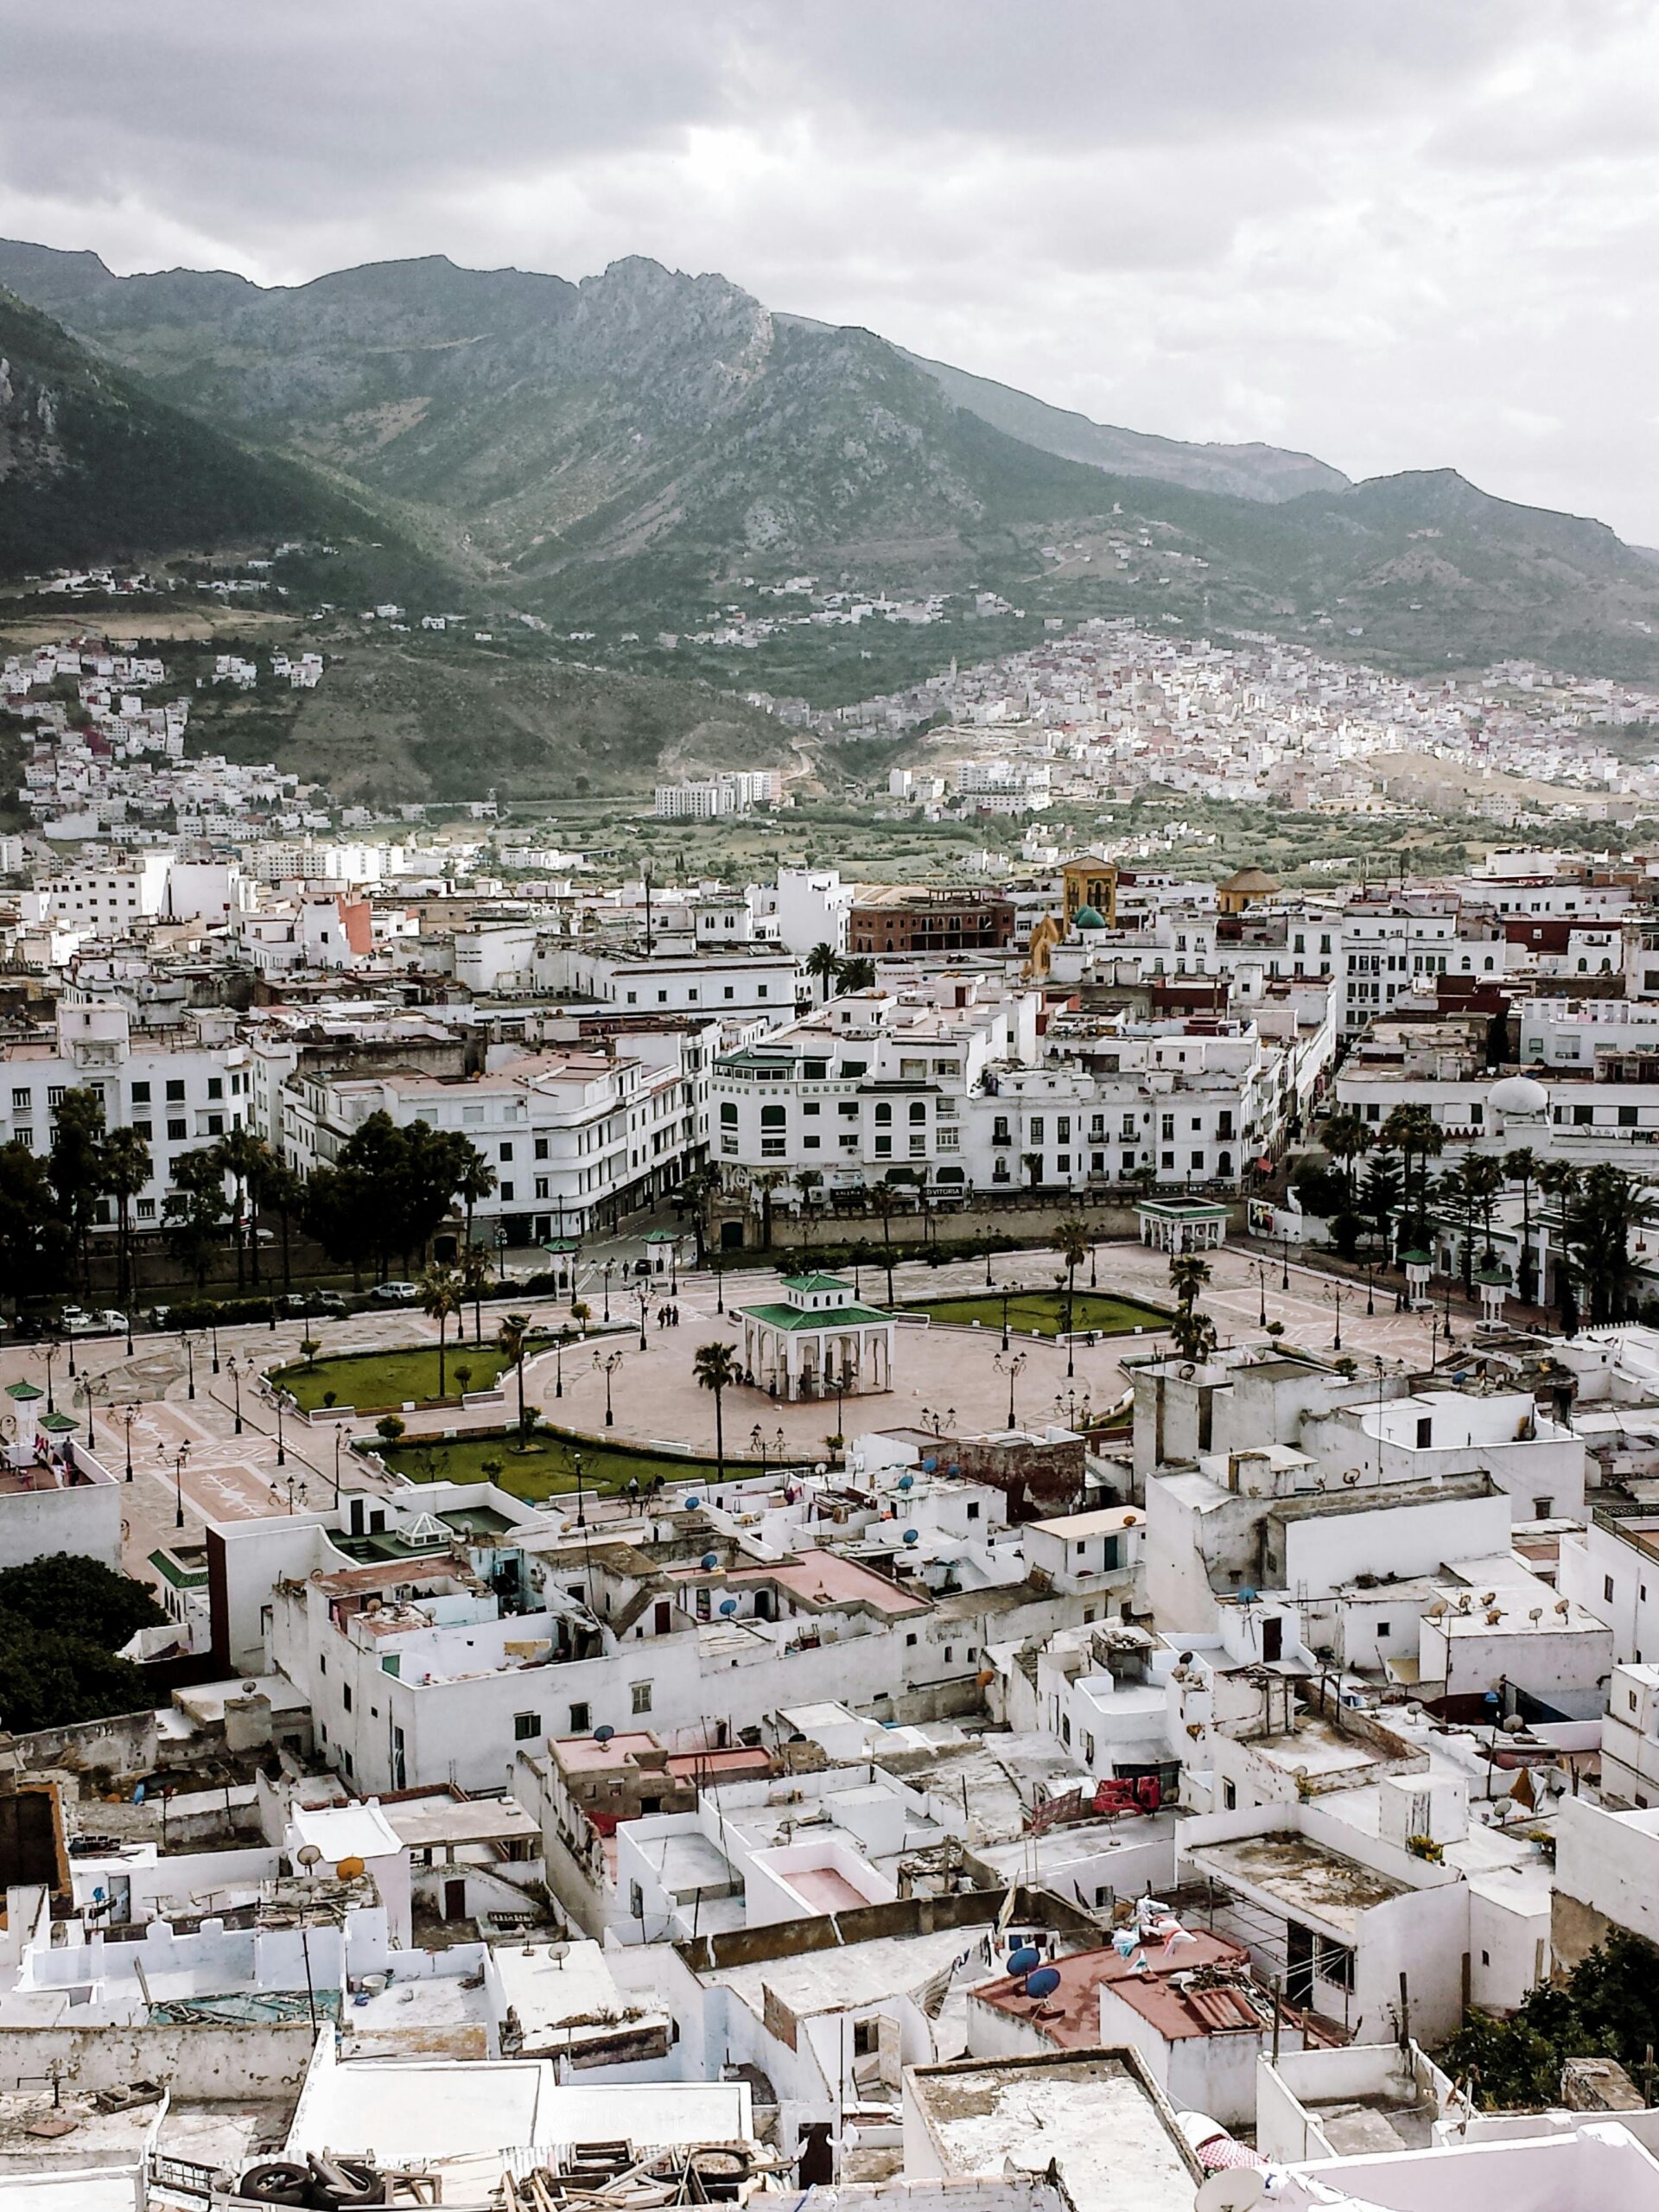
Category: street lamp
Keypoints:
(608, 1367)
(990, 1281)
(1012, 1365)
(189, 1362)
(277, 1395)
(558, 1364)
(129, 1415)
(1284, 1278)
(338, 1436)
(51, 1352)
(582, 1518)
(214, 1328)
(234, 1368)
(179, 1459)
(1007, 1292)
(1370, 1287)
(1336, 1301)
(86, 1392)
(644, 1294)
(609, 1264)
(719, 1286)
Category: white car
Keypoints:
(396, 1294)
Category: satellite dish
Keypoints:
(308, 1855)
(1044, 1982)
(349, 1869)
(912, 1535)
(710, 1561)
(1235, 2188)
(1026, 1959)
(908, 1482)
(728, 1606)
(692, 1503)
(604, 1733)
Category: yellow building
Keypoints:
(1242, 888)
(1091, 881)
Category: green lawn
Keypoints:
(377, 1379)
(1042, 1313)
(549, 1469)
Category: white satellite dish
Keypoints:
(1235, 2188)
(308, 1855)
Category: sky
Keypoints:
(1397, 233)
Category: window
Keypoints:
(506, 1194)
(215, 1086)
(1335, 1963)
(140, 1095)
(636, 1901)
(24, 1137)
(581, 1720)
(215, 1125)
(176, 1130)
(1542, 1508)
(174, 1091)
(524, 1725)
(1384, 1628)
(864, 2038)
(1607, 1589)
(640, 1695)
(1229, 1796)
(345, 1695)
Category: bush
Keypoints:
(390, 1428)
(205, 1314)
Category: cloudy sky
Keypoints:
(1400, 233)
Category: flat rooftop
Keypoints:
(1069, 2016)
(1300, 1875)
(1094, 2113)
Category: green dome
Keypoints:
(1089, 918)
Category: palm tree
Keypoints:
(1345, 1136)
(126, 1171)
(1413, 1132)
(857, 974)
(439, 1296)
(696, 1194)
(1194, 1334)
(279, 1187)
(1482, 1178)
(1520, 1165)
(715, 1367)
(809, 1183)
(822, 965)
(764, 1183)
(1559, 1179)
(1072, 1241)
(1454, 1204)
(510, 1339)
(884, 1200)
(241, 1155)
(1607, 1206)
(473, 1185)
(476, 1270)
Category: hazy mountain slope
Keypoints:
(1248, 472)
(92, 467)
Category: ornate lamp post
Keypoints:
(607, 1366)
(1012, 1365)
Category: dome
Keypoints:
(1089, 918)
(1518, 1094)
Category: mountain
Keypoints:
(621, 451)
(93, 468)
(1247, 471)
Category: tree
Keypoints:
(475, 1182)
(282, 1191)
(477, 1273)
(1558, 1179)
(52, 1674)
(1455, 1205)
(809, 1182)
(126, 1172)
(1194, 1334)
(511, 1338)
(1607, 2006)
(885, 1200)
(439, 1296)
(822, 965)
(765, 1182)
(242, 1156)
(77, 1163)
(35, 1242)
(389, 1428)
(1346, 1136)
(195, 1207)
(1379, 1196)
(695, 1196)
(1603, 1211)
(1520, 1165)
(715, 1367)
(857, 974)
(1413, 1132)
(1072, 1241)
(1482, 1178)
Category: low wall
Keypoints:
(191, 2061)
(123, 1744)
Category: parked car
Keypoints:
(313, 1301)
(396, 1294)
